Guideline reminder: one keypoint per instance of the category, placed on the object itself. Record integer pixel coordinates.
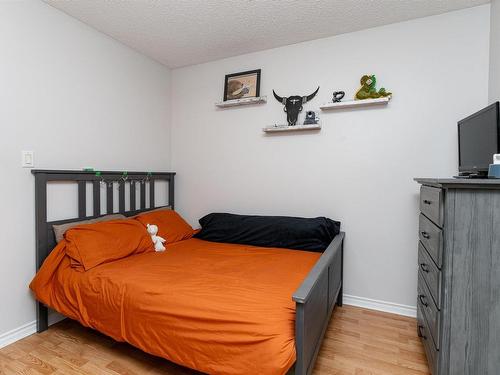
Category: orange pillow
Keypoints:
(93, 244)
(171, 226)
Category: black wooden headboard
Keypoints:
(44, 234)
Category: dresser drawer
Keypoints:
(423, 333)
(429, 309)
(431, 204)
(430, 273)
(432, 238)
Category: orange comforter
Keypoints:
(217, 308)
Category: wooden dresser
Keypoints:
(458, 304)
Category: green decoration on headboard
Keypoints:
(368, 89)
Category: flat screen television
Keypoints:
(478, 140)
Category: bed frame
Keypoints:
(315, 299)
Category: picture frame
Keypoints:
(242, 85)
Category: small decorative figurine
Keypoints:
(293, 105)
(311, 118)
(338, 96)
(368, 89)
(157, 240)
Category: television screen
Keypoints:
(478, 140)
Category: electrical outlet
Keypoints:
(28, 160)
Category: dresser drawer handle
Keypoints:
(426, 201)
(424, 267)
(420, 334)
(426, 235)
(421, 297)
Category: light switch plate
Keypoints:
(28, 160)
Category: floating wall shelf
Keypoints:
(355, 103)
(286, 128)
(245, 101)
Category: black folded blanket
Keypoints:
(313, 234)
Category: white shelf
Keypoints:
(286, 128)
(356, 103)
(244, 101)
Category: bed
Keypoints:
(209, 306)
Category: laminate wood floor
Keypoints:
(357, 342)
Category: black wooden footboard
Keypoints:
(315, 300)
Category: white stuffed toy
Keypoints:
(157, 240)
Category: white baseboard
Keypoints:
(16, 334)
(367, 303)
(26, 330)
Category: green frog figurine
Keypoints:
(368, 89)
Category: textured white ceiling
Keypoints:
(185, 32)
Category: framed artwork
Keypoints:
(242, 85)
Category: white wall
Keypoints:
(359, 168)
(494, 90)
(77, 98)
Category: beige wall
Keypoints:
(77, 98)
(359, 168)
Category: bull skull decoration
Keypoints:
(293, 105)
